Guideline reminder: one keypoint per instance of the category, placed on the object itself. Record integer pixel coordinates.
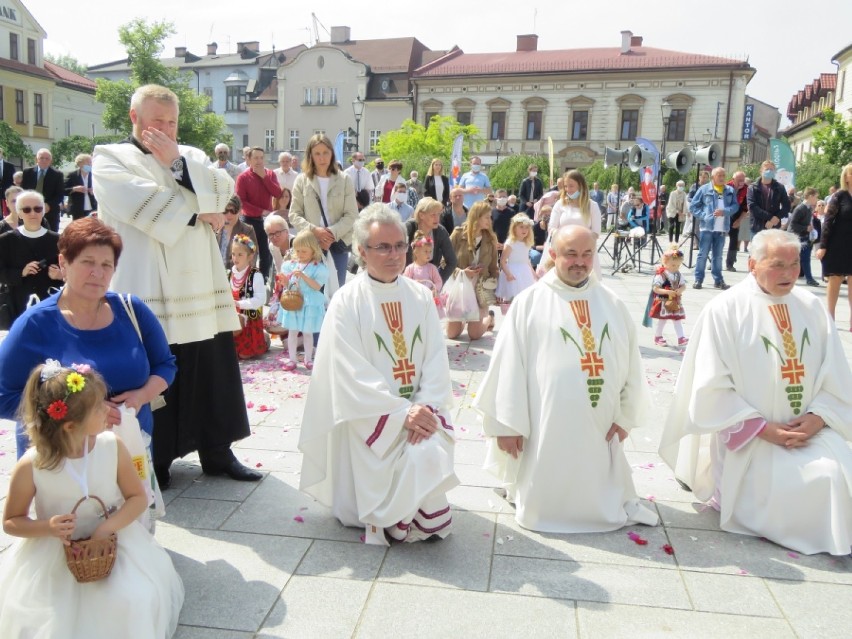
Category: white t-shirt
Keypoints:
(719, 222)
(323, 182)
(439, 188)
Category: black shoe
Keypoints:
(164, 477)
(696, 285)
(722, 285)
(732, 269)
(812, 283)
(234, 470)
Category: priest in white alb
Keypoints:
(376, 433)
(762, 414)
(564, 388)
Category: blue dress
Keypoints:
(114, 351)
(309, 319)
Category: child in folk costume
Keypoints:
(249, 293)
(307, 273)
(74, 456)
(664, 301)
(423, 271)
(516, 271)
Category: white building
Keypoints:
(804, 111)
(843, 99)
(587, 99)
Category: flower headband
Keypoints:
(522, 218)
(423, 241)
(74, 383)
(246, 241)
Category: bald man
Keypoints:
(564, 388)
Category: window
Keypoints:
(533, 125)
(320, 95)
(677, 126)
(13, 46)
(427, 116)
(245, 139)
(497, 131)
(208, 91)
(307, 96)
(31, 51)
(332, 95)
(235, 98)
(294, 139)
(38, 108)
(580, 125)
(2, 106)
(319, 131)
(463, 117)
(629, 124)
(269, 139)
(19, 107)
(374, 139)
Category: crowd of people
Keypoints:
(369, 274)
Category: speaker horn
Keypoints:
(614, 157)
(710, 155)
(638, 157)
(681, 161)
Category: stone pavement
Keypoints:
(264, 560)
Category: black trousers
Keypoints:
(733, 243)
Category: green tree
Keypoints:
(416, 146)
(12, 144)
(67, 61)
(511, 172)
(816, 171)
(144, 44)
(834, 140)
(606, 177)
(66, 149)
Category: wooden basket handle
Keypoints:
(95, 497)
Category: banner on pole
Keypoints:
(648, 174)
(785, 162)
(338, 146)
(550, 157)
(455, 174)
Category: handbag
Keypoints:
(671, 304)
(338, 246)
(159, 401)
(138, 445)
(461, 304)
(5, 308)
(292, 298)
(485, 291)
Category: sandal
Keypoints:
(288, 365)
(309, 365)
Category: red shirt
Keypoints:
(256, 193)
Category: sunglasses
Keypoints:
(30, 209)
(230, 212)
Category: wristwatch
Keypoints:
(177, 168)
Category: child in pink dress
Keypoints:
(422, 270)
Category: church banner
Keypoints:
(338, 147)
(455, 176)
(785, 162)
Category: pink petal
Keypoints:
(299, 518)
(793, 555)
(742, 572)
(249, 404)
(668, 549)
(486, 534)
(258, 465)
(363, 538)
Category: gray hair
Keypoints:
(377, 213)
(284, 156)
(82, 157)
(153, 92)
(772, 238)
(24, 195)
(274, 220)
(222, 147)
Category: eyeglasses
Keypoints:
(30, 209)
(230, 212)
(274, 234)
(383, 250)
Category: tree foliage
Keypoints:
(12, 144)
(416, 146)
(512, 170)
(606, 177)
(834, 140)
(66, 149)
(816, 171)
(144, 44)
(67, 61)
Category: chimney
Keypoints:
(180, 52)
(528, 42)
(636, 41)
(248, 49)
(626, 38)
(340, 35)
(211, 48)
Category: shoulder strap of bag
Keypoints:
(322, 210)
(128, 306)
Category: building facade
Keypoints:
(804, 111)
(843, 98)
(587, 99)
(760, 124)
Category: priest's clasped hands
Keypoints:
(795, 433)
(420, 422)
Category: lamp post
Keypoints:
(666, 113)
(499, 148)
(358, 111)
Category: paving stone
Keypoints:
(656, 482)
(695, 515)
(470, 475)
(478, 498)
(469, 452)
(462, 560)
(194, 632)
(270, 438)
(732, 594)
(221, 488)
(232, 580)
(588, 582)
(814, 609)
(597, 620)
(198, 513)
(312, 607)
(415, 611)
(343, 560)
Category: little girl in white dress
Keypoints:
(516, 271)
(72, 457)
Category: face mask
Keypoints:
(400, 197)
(680, 188)
(476, 168)
(501, 201)
(359, 164)
(573, 196)
(86, 168)
(380, 166)
(533, 173)
(768, 175)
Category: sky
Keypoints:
(787, 48)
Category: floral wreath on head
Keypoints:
(246, 241)
(423, 241)
(74, 383)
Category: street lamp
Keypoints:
(358, 111)
(666, 113)
(499, 148)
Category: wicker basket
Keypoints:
(91, 559)
(292, 298)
